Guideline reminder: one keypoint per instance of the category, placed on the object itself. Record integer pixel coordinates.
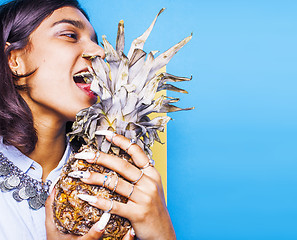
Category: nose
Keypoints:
(94, 50)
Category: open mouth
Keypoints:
(83, 80)
(82, 77)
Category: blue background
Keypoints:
(231, 161)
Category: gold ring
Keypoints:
(96, 157)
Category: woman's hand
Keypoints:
(52, 233)
(146, 208)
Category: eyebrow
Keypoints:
(75, 23)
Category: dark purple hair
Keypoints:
(19, 18)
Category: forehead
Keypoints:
(69, 15)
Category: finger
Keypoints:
(51, 229)
(109, 205)
(48, 203)
(129, 235)
(119, 165)
(136, 152)
(97, 230)
(115, 184)
(54, 182)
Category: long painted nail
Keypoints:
(87, 198)
(85, 155)
(101, 224)
(79, 174)
(105, 133)
(132, 232)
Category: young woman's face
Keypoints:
(55, 50)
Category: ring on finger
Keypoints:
(96, 157)
(116, 183)
(111, 206)
(104, 181)
(150, 163)
(131, 192)
(108, 180)
(132, 141)
(136, 181)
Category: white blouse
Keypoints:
(17, 220)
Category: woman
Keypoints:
(42, 43)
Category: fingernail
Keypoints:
(79, 174)
(101, 224)
(132, 232)
(85, 155)
(105, 133)
(87, 198)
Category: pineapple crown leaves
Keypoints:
(126, 87)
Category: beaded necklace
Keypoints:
(23, 186)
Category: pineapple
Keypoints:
(126, 87)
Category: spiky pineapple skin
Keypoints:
(75, 216)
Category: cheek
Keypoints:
(52, 87)
(58, 96)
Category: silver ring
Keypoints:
(136, 181)
(131, 192)
(111, 206)
(104, 181)
(132, 141)
(116, 183)
(108, 181)
(150, 163)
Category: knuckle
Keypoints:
(139, 216)
(148, 200)
(153, 186)
(154, 190)
(157, 177)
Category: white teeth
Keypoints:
(82, 74)
(87, 76)
(105, 133)
(85, 155)
(79, 174)
(101, 224)
(87, 198)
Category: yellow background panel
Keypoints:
(160, 150)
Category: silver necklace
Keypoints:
(23, 186)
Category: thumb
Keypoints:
(51, 229)
(98, 228)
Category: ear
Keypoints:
(15, 60)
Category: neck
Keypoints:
(50, 146)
